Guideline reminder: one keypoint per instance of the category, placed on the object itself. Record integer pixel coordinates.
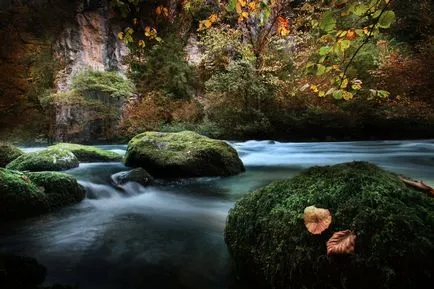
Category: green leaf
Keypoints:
(337, 94)
(230, 7)
(325, 50)
(327, 22)
(386, 19)
(320, 69)
(360, 9)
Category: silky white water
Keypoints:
(170, 235)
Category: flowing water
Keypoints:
(170, 235)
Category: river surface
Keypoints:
(170, 235)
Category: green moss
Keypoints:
(33, 193)
(8, 153)
(19, 197)
(61, 189)
(53, 159)
(394, 224)
(108, 82)
(89, 153)
(182, 154)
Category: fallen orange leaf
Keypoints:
(316, 220)
(342, 242)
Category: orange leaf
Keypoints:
(316, 220)
(351, 35)
(341, 242)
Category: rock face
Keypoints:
(30, 194)
(137, 175)
(54, 159)
(182, 155)
(394, 225)
(8, 153)
(86, 153)
(90, 42)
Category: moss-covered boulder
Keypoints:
(182, 155)
(19, 196)
(8, 153)
(86, 153)
(61, 189)
(137, 175)
(25, 194)
(52, 159)
(394, 224)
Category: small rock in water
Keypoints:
(138, 175)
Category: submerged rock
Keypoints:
(86, 153)
(183, 154)
(394, 227)
(8, 153)
(30, 194)
(18, 272)
(137, 175)
(51, 159)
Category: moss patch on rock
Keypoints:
(19, 197)
(24, 194)
(61, 189)
(52, 159)
(182, 154)
(394, 224)
(86, 153)
(8, 153)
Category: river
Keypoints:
(170, 235)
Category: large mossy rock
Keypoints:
(394, 224)
(61, 189)
(86, 153)
(19, 196)
(182, 155)
(33, 193)
(8, 153)
(52, 159)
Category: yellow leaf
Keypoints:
(314, 88)
(252, 6)
(242, 2)
(213, 18)
(347, 95)
(207, 23)
(344, 83)
(166, 12)
(121, 35)
(238, 8)
(141, 43)
(147, 31)
(321, 93)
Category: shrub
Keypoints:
(91, 82)
(163, 68)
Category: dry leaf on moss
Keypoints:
(342, 242)
(317, 220)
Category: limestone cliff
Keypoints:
(45, 44)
